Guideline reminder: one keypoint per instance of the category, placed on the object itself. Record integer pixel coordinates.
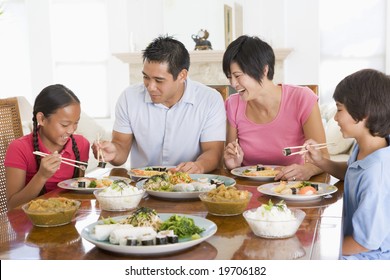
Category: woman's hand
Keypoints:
(233, 155)
(295, 172)
(49, 165)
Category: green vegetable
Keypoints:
(108, 221)
(181, 226)
(92, 184)
(280, 205)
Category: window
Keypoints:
(352, 38)
(81, 51)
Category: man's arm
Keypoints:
(208, 160)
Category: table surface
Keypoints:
(319, 236)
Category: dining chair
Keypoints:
(224, 90)
(10, 129)
(313, 87)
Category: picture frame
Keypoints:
(228, 18)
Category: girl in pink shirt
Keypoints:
(56, 113)
(263, 118)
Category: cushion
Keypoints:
(334, 135)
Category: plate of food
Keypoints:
(148, 234)
(89, 184)
(297, 190)
(181, 185)
(147, 172)
(257, 172)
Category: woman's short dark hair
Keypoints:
(366, 94)
(166, 49)
(252, 55)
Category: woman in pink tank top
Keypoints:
(264, 118)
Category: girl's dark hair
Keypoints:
(252, 55)
(48, 101)
(166, 49)
(366, 94)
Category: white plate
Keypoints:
(269, 190)
(209, 226)
(67, 184)
(136, 177)
(229, 182)
(238, 172)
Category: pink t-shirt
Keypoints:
(264, 143)
(20, 155)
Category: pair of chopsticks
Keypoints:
(287, 151)
(67, 161)
(100, 156)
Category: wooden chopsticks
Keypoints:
(287, 151)
(100, 156)
(67, 161)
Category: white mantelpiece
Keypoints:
(206, 66)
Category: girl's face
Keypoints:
(348, 126)
(245, 85)
(160, 84)
(56, 129)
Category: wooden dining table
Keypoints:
(318, 237)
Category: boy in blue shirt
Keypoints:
(363, 113)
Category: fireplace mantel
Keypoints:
(206, 66)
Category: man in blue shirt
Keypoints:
(168, 120)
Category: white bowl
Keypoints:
(118, 202)
(275, 229)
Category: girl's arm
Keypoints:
(17, 192)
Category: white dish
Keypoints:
(209, 226)
(68, 184)
(238, 172)
(229, 182)
(326, 189)
(136, 177)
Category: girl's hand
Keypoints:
(49, 165)
(233, 155)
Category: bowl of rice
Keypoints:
(120, 196)
(274, 221)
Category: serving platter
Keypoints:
(239, 171)
(209, 226)
(229, 182)
(137, 177)
(324, 190)
(71, 184)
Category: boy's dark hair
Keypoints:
(48, 101)
(366, 94)
(252, 55)
(166, 49)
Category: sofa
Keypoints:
(343, 147)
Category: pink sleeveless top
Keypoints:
(264, 143)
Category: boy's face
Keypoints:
(160, 84)
(348, 126)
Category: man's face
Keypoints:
(160, 84)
